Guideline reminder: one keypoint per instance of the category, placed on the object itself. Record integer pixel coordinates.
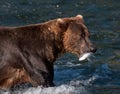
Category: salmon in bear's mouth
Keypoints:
(85, 56)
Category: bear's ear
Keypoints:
(59, 20)
(79, 16)
(62, 24)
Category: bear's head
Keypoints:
(72, 36)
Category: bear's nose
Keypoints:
(93, 49)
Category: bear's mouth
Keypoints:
(85, 56)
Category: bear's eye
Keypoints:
(82, 35)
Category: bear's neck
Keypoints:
(54, 46)
(47, 43)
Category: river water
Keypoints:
(99, 75)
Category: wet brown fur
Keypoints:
(27, 53)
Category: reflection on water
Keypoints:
(101, 75)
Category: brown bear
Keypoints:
(27, 52)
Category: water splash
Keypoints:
(63, 89)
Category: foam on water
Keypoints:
(63, 89)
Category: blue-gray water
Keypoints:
(100, 75)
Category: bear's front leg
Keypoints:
(40, 72)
